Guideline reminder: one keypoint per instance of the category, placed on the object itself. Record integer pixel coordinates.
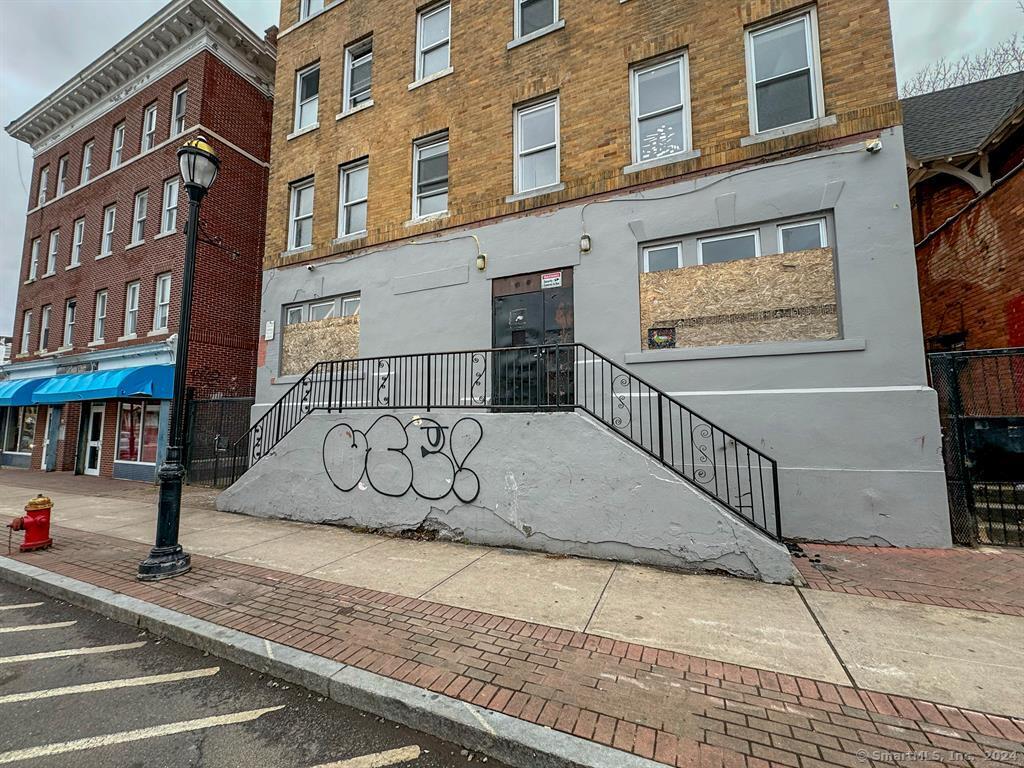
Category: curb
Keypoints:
(497, 735)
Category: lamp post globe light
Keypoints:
(199, 165)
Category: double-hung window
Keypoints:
(537, 152)
(117, 148)
(33, 262)
(62, 175)
(149, 128)
(802, 236)
(44, 182)
(70, 310)
(307, 96)
(433, 40)
(99, 323)
(323, 309)
(86, 162)
(658, 258)
(139, 216)
(430, 176)
(784, 82)
(44, 327)
(532, 15)
(138, 429)
(162, 302)
(51, 256)
(131, 308)
(308, 7)
(169, 218)
(300, 219)
(76, 243)
(660, 110)
(178, 103)
(358, 73)
(26, 330)
(730, 247)
(109, 220)
(353, 193)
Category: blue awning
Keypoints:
(18, 391)
(156, 381)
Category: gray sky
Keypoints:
(44, 42)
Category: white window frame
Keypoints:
(344, 203)
(26, 330)
(149, 118)
(162, 304)
(296, 127)
(518, 19)
(347, 301)
(76, 243)
(44, 182)
(526, 109)
(44, 327)
(139, 215)
(681, 59)
(86, 172)
(117, 146)
(332, 313)
(418, 147)
(169, 212)
(109, 224)
(51, 253)
(351, 59)
(62, 176)
(293, 217)
(810, 18)
(340, 306)
(309, 8)
(178, 116)
(33, 259)
(677, 244)
(822, 230)
(99, 321)
(421, 52)
(131, 308)
(70, 315)
(729, 236)
(299, 311)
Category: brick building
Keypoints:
(965, 150)
(97, 312)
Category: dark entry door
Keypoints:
(531, 316)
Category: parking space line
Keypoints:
(86, 651)
(34, 627)
(139, 734)
(378, 760)
(19, 605)
(108, 685)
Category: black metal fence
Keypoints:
(212, 429)
(981, 407)
(540, 378)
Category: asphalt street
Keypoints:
(79, 689)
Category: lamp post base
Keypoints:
(167, 558)
(165, 562)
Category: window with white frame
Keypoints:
(179, 101)
(44, 327)
(149, 128)
(322, 309)
(70, 310)
(33, 261)
(307, 96)
(21, 429)
(293, 315)
(44, 182)
(138, 430)
(430, 176)
(26, 330)
(658, 258)
(131, 308)
(353, 190)
(661, 121)
(532, 15)
(109, 220)
(86, 162)
(117, 148)
(308, 7)
(537, 151)
(784, 84)
(358, 73)
(139, 216)
(99, 322)
(162, 302)
(169, 217)
(433, 40)
(76, 243)
(729, 247)
(300, 218)
(802, 236)
(62, 175)
(51, 255)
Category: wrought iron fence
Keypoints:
(539, 378)
(213, 427)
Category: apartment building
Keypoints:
(711, 196)
(90, 383)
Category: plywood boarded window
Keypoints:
(324, 329)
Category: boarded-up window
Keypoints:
(303, 345)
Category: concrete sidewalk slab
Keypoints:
(227, 538)
(305, 550)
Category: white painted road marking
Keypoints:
(33, 627)
(92, 742)
(88, 650)
(379, 760)
(107, 685)
(19, 605)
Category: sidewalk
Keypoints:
(677, 668)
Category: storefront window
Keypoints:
(21, 429)
(138, 430)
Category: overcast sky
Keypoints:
(45, 42)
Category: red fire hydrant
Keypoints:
(35, 523)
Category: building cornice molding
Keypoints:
(157, 352)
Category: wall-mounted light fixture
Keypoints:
(481, 261)
(585, 243)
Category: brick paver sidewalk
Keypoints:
(677, 709)
(977, 579)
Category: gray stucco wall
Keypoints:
(555, 482)
(851, 422)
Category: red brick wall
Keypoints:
(936, 199)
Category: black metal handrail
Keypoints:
(547, 377)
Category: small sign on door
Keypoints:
(551, 280)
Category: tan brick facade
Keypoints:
(587, 63)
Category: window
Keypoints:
(353, 190)
(658, 258)
(731, 247)
(109, 218)
(44, 182)
(802, 236)
(300, 222)
(293, 316)
(308, 7)
(118, 146)
(358, 73)
(179, 101)
(532, 15)
(70, 309)
(33, 262)
(162, 302)
(307, 96)
(131, 308)
(76, 243)
(62, 175)
(350, 306)
(430, 177)
(86, 162)
(21, 429)
(138, 429)
(44, 328)
(783, 82)
(322, 309)
(169, 219)
(51, 256)
(99, 322)
(139, 217)
(149, 128)
(537, 154)
(433, 40)
(26, 330)
(660, 110)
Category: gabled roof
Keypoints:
(961, 120)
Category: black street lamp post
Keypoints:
(199, 166)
